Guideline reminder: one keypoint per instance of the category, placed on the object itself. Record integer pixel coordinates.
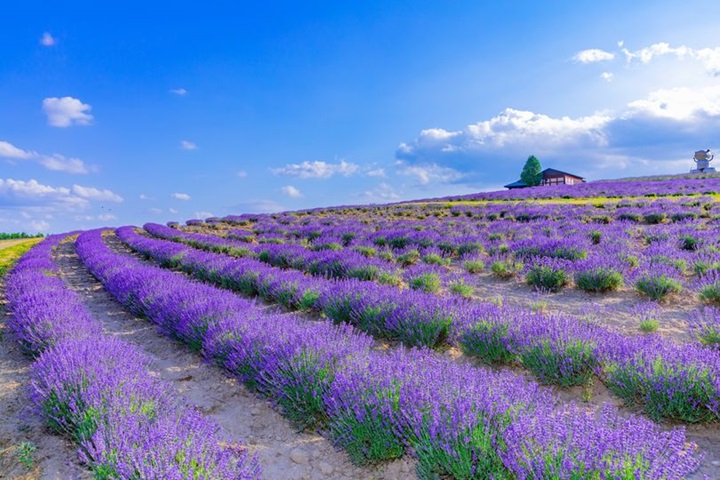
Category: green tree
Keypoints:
(531, 173)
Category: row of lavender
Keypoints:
(669, 380)
(97, 389)
(594, 274)
(656, 260)
(675, 186)
(457, 420)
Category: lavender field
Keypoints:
(564, 332)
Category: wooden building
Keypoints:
(550, 176)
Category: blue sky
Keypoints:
(154, 111)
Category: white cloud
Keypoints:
(92, 193)
(186, 145)
(155, 211)
(8, 150)
(179, 91)
(517, 129)
(291, 191)
(683, 104)
(142, 196)
(47, 40)
(428, 173)
(593, 55)
(383, 193)
(607, 76)
(708, 57)
(55, 162)
(39, 225)
(66, 111)
(60, 163)
(31, 193)
(173, 211)
(203, 215)
(242, 174)
(378, 172)
(181, 196)
(317, 169)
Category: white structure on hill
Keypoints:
(702, 160)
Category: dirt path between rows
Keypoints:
(22, 429)
(283, 452)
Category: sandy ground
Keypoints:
(283, 452)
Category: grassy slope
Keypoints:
(11, 250)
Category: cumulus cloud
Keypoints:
(377, 172)
(291, 191)
(59, 163)
(680, 103)
(186, 145)
(512, 129)
(55, 162)
(322, 170)
(92, 193)
(142, 196)
(650, 135)
(179, 91)
(593, 55)
(66, 111)
(181, 196)
(428, 173)
(203, 214)
(39, 226)
(31, 193)
(8, 150)
(708, 57)
(607, 76)
(384, 192)
(47, 40)
(173, 211)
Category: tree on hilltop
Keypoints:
(532, 172)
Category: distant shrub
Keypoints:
(629, 216)
(366, 251)
(489, 342)
(506, 269)
(435, 259)
(705, 324)
(688, 242)
(710, 294)
(657, 287)
(426, 282)
(561, 363)
(411, 257)
(461, 288)
(655, 218)
(546, 277)
(649, 325)
(599, 279)
(474, 266)
(595, 236)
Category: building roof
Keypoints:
(518, 184)
(552, 171)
